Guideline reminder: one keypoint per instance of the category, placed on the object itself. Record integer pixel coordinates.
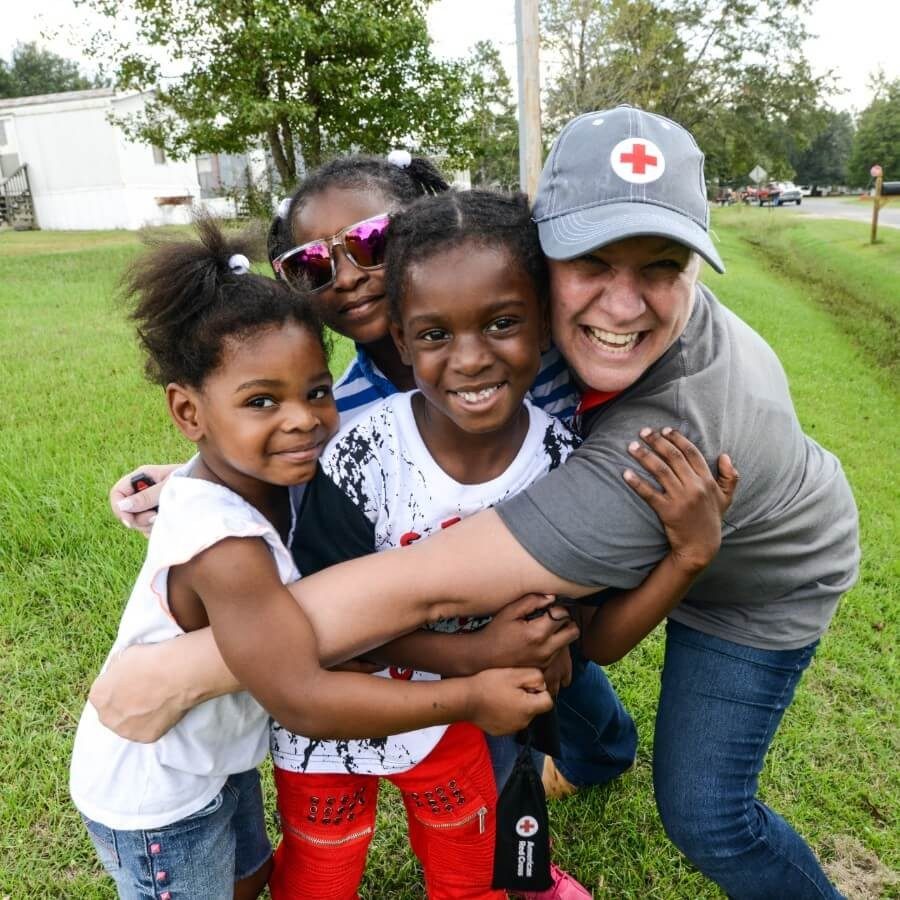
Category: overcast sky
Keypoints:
(853, 38)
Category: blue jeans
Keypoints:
(201, 856)
(719, 708)
(597, 737)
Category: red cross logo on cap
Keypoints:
(637, 161)
(638, 158)
(526, 826)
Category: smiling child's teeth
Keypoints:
(620, 341)
(475, 396)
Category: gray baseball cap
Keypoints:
(622, 173)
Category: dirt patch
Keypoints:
(858, 872)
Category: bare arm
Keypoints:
(474, 568)
(268, 644)
(149, 687)
(352, 608)
(690, 506)
(514, 637)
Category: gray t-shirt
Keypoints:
(790, 545)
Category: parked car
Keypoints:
(790, 193)
(805, 190)
(778, 193)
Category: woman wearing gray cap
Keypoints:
(623, 219)
(622, 215)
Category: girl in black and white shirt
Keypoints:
(468, 316)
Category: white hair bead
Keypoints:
(239, 264)
(283, 208)
(400, 158)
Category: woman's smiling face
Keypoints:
(353, 304)
(616, 310)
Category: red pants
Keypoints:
(327, 822)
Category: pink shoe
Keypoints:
(564, 887)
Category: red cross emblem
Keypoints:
(637, 161)
(400, 673)
(526, 826)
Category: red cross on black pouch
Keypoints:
(522, 849)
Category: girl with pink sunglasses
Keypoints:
(330, 237)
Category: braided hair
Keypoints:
(403, 183)
(188, 297)
(486, 218)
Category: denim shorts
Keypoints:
(200, 856)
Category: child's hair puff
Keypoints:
(401, 183)
(489, 219)
(189, 297)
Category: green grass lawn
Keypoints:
(78, 414)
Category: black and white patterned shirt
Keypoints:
(379, 488)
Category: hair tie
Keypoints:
(283, 208)
(239, 264)
(400, 158)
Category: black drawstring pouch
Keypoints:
(522, 848)
(542, 734)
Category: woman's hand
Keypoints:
(691, 503)
(504, 701)
(128, 698)
(147, 688)
(136, 509)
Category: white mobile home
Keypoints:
(82, 170)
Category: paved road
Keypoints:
(845, 208)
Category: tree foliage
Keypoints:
(877, 137)
(732, 71)
(490, 131)
(824, 161)
(33, 70)
(308, 77)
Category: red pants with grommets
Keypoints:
(327, 822)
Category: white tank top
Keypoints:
(127, 785)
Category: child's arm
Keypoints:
(691, 509)
(267, 641)
(518, 635)
(149, 687)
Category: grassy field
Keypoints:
(77, 414)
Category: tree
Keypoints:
(731, 72)
(824, 161)
(33, 70)
(877, 137)
(308, 77)
(491, 130)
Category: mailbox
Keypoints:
(890, 188)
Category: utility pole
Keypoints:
(527, 51)
(878, 174)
